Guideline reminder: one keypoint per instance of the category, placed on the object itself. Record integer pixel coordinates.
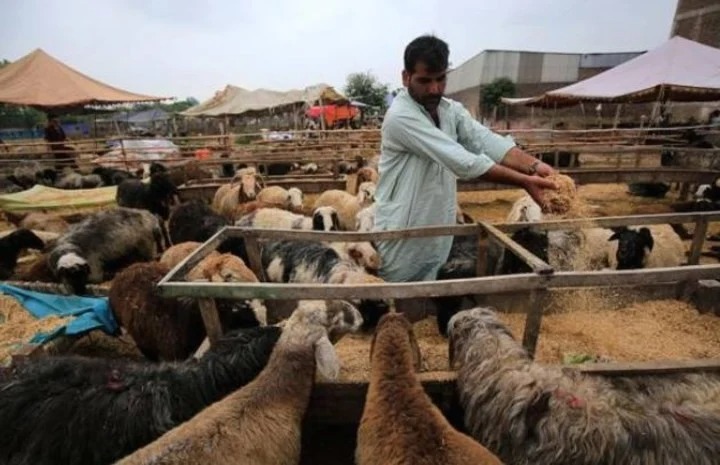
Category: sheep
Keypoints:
(524, 210)
(262, 422)
(309, 168)
(367, 174)
(91, 250)
(113, 176)
(178, 252)
(44, 222)
(323, 219)
(362, 253)
(654, 246)
(197, 222)
(172, 329)
(92, 411)
(531, 414)
(400, 424)
(9, 186)
(72, 180)
(315, 262)
(287, 199)
(29, 173)
(11, 246)
(346, 204)
(228, 196)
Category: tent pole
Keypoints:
(617, 116)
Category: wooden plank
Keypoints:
(664, 367)
(533, 321)
(211, 319)
(611, 221)
(301, 235)
(482, 256)
(407, 290)
(180, 270)
(536, 264)
(254, 256)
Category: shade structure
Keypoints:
(679, 70)
(42, 81)
(233, 100)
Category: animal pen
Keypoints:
(341, 402)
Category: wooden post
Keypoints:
(533, 321)
(701, 228)
(254, 255)
(481, 262)
(211, 318)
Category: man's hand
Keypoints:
(534, 185)
(544, 170)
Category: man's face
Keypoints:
(425, 87)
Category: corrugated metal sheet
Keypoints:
(606, 60)
(560, 67)
(500, 64)
(466, 75)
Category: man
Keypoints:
(55, 137)
(429, 141)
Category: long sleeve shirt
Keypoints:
(419, 167)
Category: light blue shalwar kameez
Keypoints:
(419, 166)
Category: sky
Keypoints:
(182, 48)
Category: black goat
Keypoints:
(11, 246)
(113, 176)
(71, 409)
(156, 197)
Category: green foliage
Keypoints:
(490, 94)
(366, 88)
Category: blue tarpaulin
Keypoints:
(90, 312)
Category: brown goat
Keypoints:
(367, 174)
(400, 424)
(261, 423)
(177, 253)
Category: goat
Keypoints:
(228, 196)
(91, 411)
(273, 405)
(530, 414)
(649, 247)
(315, 262)
(400, 424)
(92, 250)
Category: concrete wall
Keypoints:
(698, 20)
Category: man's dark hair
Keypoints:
(430, 50)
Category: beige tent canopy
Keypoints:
(237, 101)
(679, 70)
(40, 80)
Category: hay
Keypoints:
(652, 330)
(18, 326)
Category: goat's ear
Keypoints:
(326, 359)
(646, 235)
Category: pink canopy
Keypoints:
(679, 70)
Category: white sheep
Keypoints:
(653, 246)
(323, 219)
(262, 422)
(346, 204)
(365, 219)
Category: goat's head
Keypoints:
(399, 326)
(633, 247)
(73, 271)
(325, 219)
(476, 330)
(324, 322)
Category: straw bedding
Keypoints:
(18, 326)
(653, 330)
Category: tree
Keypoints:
(366, 88)
(490, 94)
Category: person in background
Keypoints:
(55, 137)
(429, 141)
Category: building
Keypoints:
(532, 72)
(698, 20)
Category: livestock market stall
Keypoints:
(341, 402)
